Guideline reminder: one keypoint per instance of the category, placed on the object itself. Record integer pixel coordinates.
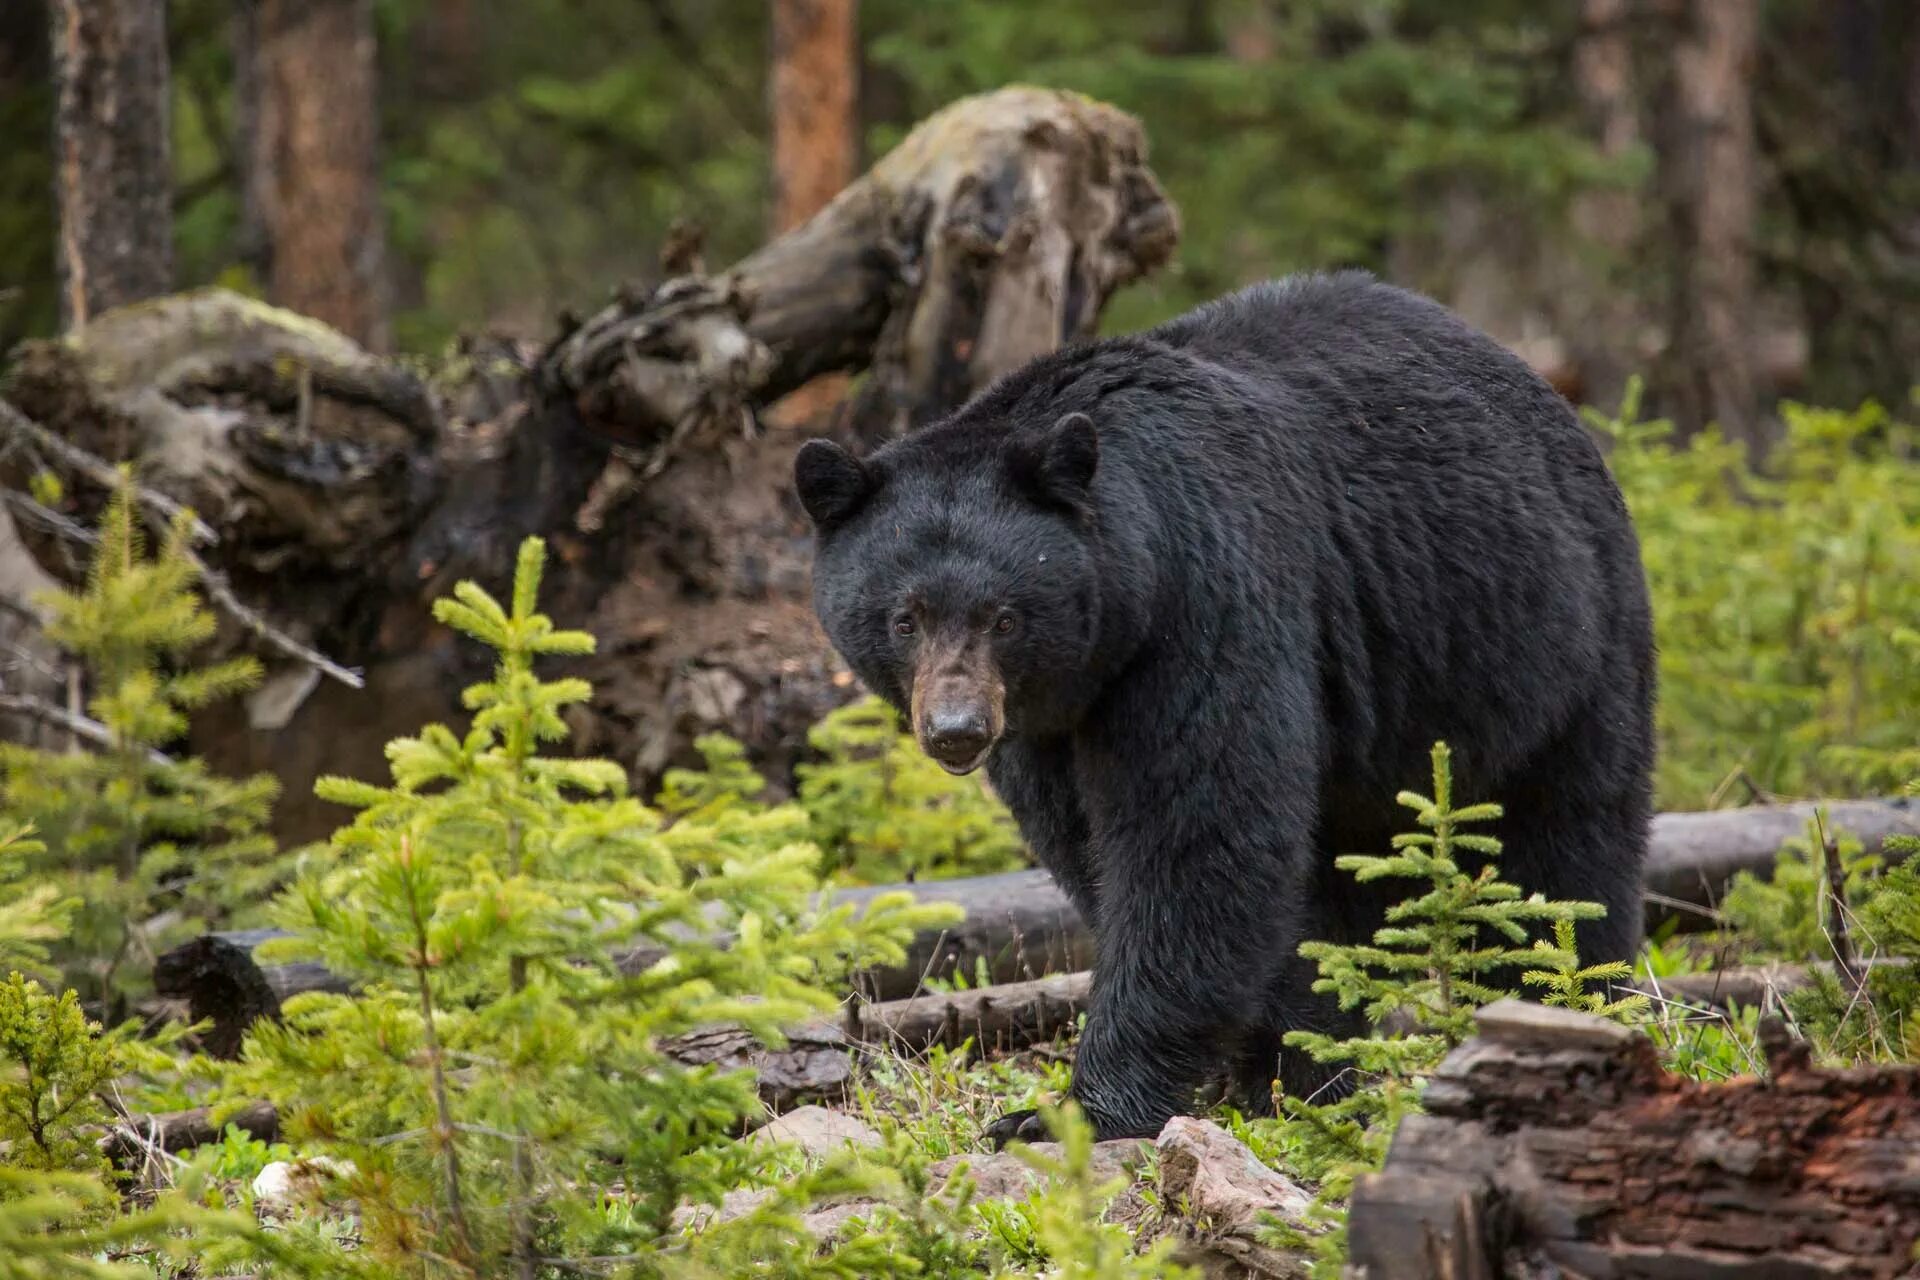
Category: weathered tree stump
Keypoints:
(348, 490)
(1555, 1145)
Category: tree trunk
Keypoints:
(312, 169)
(813, 92)
(1554, 1144)
(813, 88)
(113, 171)
(1601, 315)
(1710, 171)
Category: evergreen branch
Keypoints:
(100, 471)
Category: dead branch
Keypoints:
(99, 471)
(219, 593)
(82, 727)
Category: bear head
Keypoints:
(955, 571)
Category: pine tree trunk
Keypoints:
(312, 183)
(1712, 181)
(813, 99)
(113, 167)
(813, 90)
(1601, 316)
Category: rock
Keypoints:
(997, 1176)
(1004, 1176)
(1209, 1178)
(279, 1189)
(817, 1131)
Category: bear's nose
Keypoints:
(957, 738)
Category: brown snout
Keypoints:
(958, 705)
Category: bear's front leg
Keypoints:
(1198, 868)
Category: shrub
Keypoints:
(129, 833)
(883, 811)
(1786, 601)
(498, 1084)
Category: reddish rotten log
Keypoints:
(1555, 1144)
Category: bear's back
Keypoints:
(1356, 347)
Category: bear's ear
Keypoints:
(1055, 466)
(833, 484)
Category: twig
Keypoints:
(82, 727)
(219, 593)
(1844, 958)
(47, 518)
(223, 598)
(100, 471)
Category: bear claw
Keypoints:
(1017, 1126)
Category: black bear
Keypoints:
(1203, 598)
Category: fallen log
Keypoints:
(1762, 986)
(1693, 857)
(1555, 1144)
(816, 1064)
(140, 1140)
(1020, 927)
(1016, 926)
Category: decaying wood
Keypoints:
(349, 491)
(996, 231)
(1554, 1144)
(996, 1019)
(212, 583)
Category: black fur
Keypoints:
(1325, 525)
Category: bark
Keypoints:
(312, 169)
(1554, 1144)
(1709, 169)
(113, 169)
(994, 233)
(1601, 315)
(812, 90)
(1023, 929)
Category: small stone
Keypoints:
(1002, 1175)
(1213, 1179)
(1219, 1178)
(817, 1131)
(279, 1188)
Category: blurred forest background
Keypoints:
(1683, 212)
(1722, 194)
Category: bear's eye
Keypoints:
(1003, 624)
(903, 626)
